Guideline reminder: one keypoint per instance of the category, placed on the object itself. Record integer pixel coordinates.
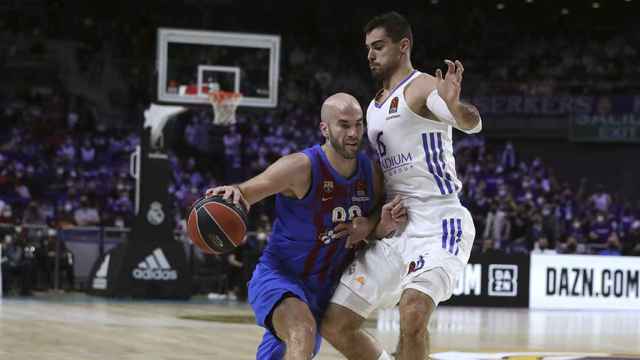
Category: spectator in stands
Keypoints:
(613, 245)
(536, 231)
(34, 214)
(600, 199)
(508, 157)
(56, 247)
(542, 247)
(570, 246)
(237, 281)
(19, 265)
(632, 241)
(87, 154)
(67, 152)
(600, 229)
(7, 216)
(498, 226)
(233, 155)
(65, 216)
(576, 230)
(87, 214)
(489, 248)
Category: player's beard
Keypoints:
(384, 72)
(341, 147)
(379, 74)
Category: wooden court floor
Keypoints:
(79, 327)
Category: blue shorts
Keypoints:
(266, 289)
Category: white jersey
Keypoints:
(416, 153)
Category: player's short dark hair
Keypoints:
(394, 24)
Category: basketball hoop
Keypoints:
(224, 105)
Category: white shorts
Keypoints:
(428, 256)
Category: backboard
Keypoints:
(191, 63)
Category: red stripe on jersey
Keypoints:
(321, 208)
(339, 196)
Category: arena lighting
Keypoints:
(564, 11)
(528, 1)
(499, 6)
(595, 5)
(435, 2)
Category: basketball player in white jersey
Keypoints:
(410, 121)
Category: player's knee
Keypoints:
(302, 332)
(338, 325)
(413, 324)
(415, 311)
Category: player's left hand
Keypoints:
(356, 231)
(449, 87)
(393, 216)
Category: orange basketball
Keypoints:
(216, 226)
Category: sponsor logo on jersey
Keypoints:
(361, 192)
(328, 187)
(416, 265)
(393, 108)
(326, 237)
(352, 268)
(397, 163)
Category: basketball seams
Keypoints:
(218, 224)
(231, 210)
(199, 234)
(232, 232)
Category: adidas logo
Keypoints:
(155, 267)
(100, 281)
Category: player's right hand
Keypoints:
(229, 193)
(450, 86)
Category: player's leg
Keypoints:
(281, 307)
(415, 311)
(294, 324)
(444, 258)
(417, 303)
(343, 329)
(371, 281)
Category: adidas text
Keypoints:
(156, 274)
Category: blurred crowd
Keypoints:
(520, 206)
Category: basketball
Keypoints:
(215, 225)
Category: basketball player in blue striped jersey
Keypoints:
(326, 198)
(410, 122)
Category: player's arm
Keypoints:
(382, 221)
(388, 217)
(441, 97)
(290, 175)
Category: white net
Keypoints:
(224, 105)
